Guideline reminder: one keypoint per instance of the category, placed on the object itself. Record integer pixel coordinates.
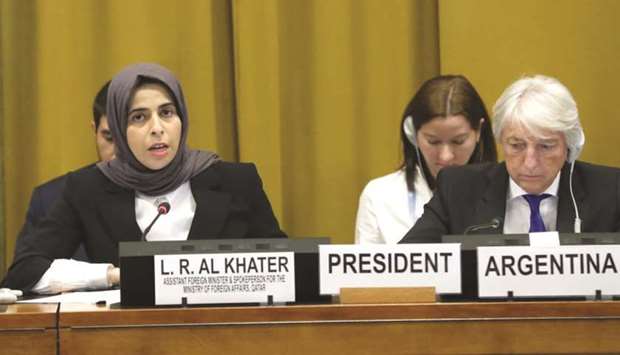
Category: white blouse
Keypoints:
(387, 209)
(174, 225)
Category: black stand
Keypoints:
(269, 301)
(510, 296)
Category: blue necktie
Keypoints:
(536, 222)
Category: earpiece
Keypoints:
(573, 154)
(577, 223)
(410, 131)
(480, 142)
(571, 157)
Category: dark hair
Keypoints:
(100, 103)
(443, 96)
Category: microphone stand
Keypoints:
(163, 208)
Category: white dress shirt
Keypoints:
(69, 275)
(517, 218)
(387, 209)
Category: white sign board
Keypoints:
(570, 270)
(224, 278)
(403, 265)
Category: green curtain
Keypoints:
(310, 90)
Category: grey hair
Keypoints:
(539, 103)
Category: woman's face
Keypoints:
(445, 141)
(153, 127)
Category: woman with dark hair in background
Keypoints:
(445, 123)
(118, 200)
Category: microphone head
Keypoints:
(163, 207)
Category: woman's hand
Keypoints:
(114, 276)
(8, 296)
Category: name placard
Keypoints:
(403, 265)
(224, 278)
(568, 270)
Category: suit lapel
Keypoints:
(493, 202)
(117, 209)
(212, 205)
(566, 209)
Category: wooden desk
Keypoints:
(28, 329)
(473, 328)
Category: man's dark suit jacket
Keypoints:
(43, 197)
(476, 194)
(230, 203)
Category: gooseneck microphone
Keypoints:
(495, 223)
(163, 207)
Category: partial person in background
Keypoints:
(540, 187)
(115, 201)
(444, 124)
(43, 196)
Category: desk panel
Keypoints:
(28, 329)
(482, 328)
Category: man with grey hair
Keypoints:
(539, 187)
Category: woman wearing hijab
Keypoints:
(116, 201)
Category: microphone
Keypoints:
(163, 207)
(495, 223)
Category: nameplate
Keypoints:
(570, 270)
(403, 265)
(224, 278)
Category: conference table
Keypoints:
(564, 327)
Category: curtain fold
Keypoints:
(2, 229)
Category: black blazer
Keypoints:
(43, 197)
(476, 194)
(230, 203)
